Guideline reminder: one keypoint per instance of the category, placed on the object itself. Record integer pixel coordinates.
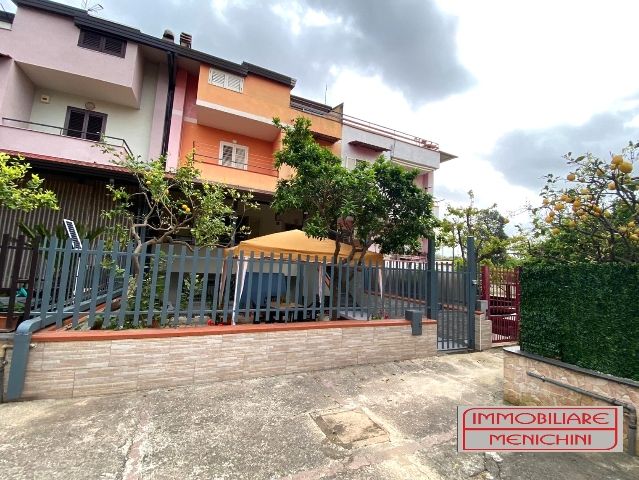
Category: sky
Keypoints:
(507, 86)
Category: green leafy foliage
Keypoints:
(493, 246)
(176, 203)
(582, 314)
(18, 190)
(375, 203)
(591, 215)
(40, 230)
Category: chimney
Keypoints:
(185, 40)
(168, 36)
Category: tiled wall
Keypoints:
(64, 369)
(522, 389)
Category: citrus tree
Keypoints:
(592, 214)
(175, 204)
(20, 190)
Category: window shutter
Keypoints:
(227, 156)
(216, 78)
(350, 163)
(91, 40)
(94, 127)
(75, 125)
(113, 46)
(234, 83)
(240, 157)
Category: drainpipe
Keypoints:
(168, 113)
(3, 363)
(632, 417)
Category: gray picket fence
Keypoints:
(97, 287)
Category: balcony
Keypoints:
(255, 172)
(47, 141)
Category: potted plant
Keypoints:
(18, 310)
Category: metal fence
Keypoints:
(178, 286)
(500, 288)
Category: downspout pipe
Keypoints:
(632, 417)
(170, 95)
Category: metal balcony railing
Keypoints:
(210, 154)
(366, 126)
(67, 132)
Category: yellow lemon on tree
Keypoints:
(551, 214)
(582, 179)
(637, 231)
(571, 223)
(607, 214)
(545, 202)
(565, 197)
(148, 182)
(555, 231)
(506, 220)
(611, 186)
(596, 214)
(625, 167)
(623, 229)
(584, 217)
(184, 207)
(634, 237)
(613, 166)
(631, 224)
(585, 191)
(580, 212)
(571, 177)
(559, 207)
(577, 203)
(166, 192)
(600, 172)
(617, 160)
(548, 219)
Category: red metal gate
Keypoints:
(500, 287)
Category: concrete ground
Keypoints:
(266, 429)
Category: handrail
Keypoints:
(369, 126)
(63, 129)
(266, 166)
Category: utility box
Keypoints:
(415, 318)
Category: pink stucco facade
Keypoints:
(175, 137)
(40, 144)
(46, 47)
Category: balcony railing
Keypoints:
(210, 154)
(67, 132)
(366, 126)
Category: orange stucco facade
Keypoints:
(261, 99)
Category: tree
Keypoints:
(18, 192)
(375, 203)
(592, 214)
(372, 204)
(486, 225)
(174, 203)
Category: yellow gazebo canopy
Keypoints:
(295, 242)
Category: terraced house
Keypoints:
(67, 78)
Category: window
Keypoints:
(226, 80)
(350, 162)
(102, 43)
(232, 155)
(84, 124)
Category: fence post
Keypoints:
(472, 290)
(432, 304)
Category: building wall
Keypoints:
(131, 124)
(48, 42)
(118, 364)
(397, 149)
(265, 99)
(16, 91)
(159, 111)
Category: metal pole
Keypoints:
(432, 303)
(472, 290)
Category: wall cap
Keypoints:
(102, 335)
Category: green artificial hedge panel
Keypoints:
(583, 314)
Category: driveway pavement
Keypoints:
(388, 421)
